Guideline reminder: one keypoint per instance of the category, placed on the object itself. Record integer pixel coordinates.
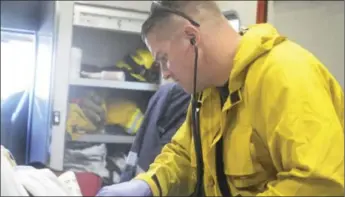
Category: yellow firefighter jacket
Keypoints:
(283, 136)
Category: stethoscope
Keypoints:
(196, 105)
(196, 102)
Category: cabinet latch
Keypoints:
(56, 118)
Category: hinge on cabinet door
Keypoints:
(56, 118)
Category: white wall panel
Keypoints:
(245, 9)
(317, 26)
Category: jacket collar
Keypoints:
(256, 41)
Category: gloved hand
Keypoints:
(130, 188)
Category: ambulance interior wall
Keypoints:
(21, 15)
(317, 26)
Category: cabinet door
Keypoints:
(40, 127)
(64, 11)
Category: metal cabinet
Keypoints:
(105, 35)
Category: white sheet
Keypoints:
(17, 180)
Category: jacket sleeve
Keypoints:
(171, 173)
(303, 133)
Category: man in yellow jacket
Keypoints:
(275, 107)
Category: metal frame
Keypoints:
(64, 14)
(26, 36)
(30, 35)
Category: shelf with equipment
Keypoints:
(114, 84)
(105, 138)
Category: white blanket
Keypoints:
(19, 180)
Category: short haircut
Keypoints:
(160, 19)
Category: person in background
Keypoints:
(271, 116)
(164, 115)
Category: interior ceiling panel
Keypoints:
(23, 15)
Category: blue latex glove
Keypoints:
(130, 188)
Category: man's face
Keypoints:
(176, 58)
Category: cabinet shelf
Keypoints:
(108, 18)
(106, 138)
(114, 84)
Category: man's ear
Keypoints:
(192, 34)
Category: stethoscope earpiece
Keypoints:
(192, 41)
